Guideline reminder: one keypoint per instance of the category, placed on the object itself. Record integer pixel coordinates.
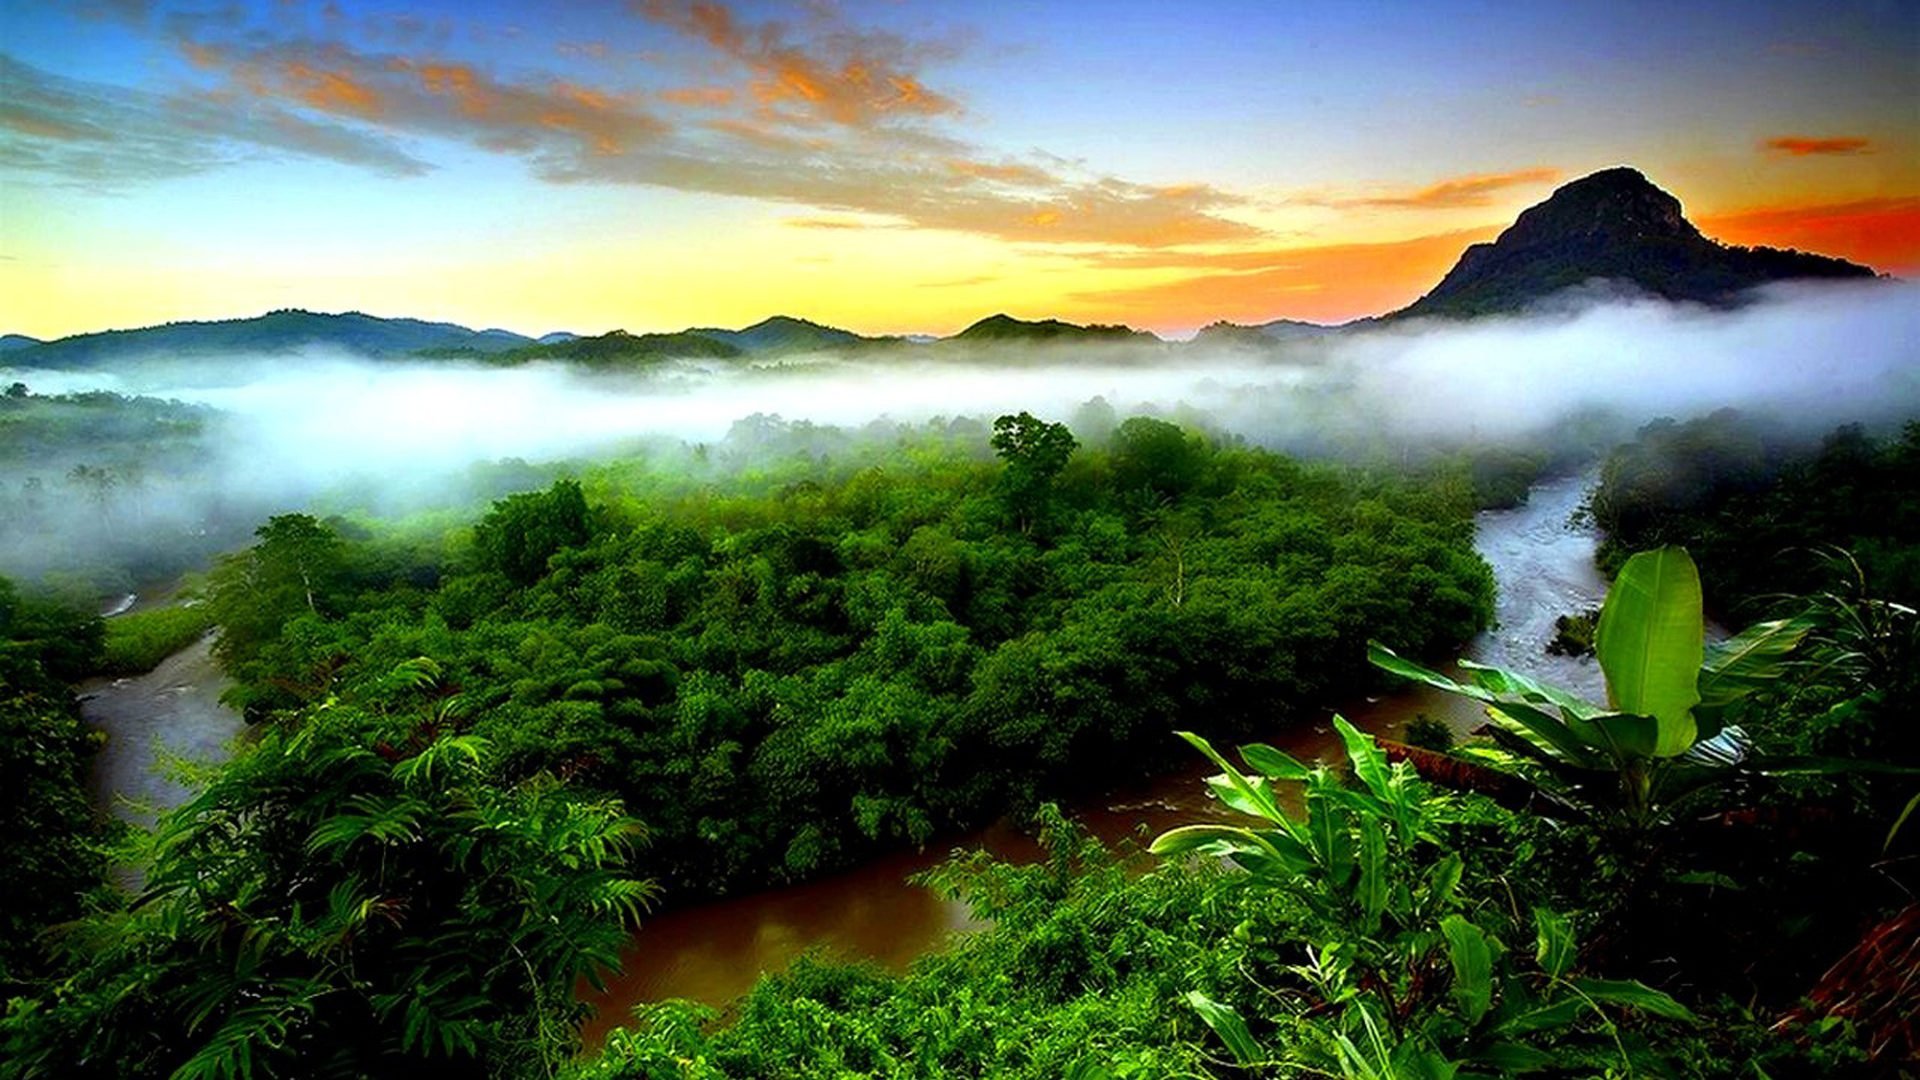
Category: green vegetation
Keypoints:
(50, 853)
(136, 642)
(783, 672)
(1756, 503)
(486, 747)
(1573, 634)
(355, 897)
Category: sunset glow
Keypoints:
(897, 167)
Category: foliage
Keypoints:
(1073, 978)
(1415, 985)
(524, 531)
(784, 669)
(1427, 733)
(1753, 502)
(50, 853)
(1662, 734)
(137, 641)
(344, 899)
(1573, 634)
(1035, 452)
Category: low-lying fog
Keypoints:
(297, 424)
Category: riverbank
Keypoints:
(714, 952)
(171, 714)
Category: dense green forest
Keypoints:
(487, 745)
(1761, 504)
(807, 663)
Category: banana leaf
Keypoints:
(1650, 644)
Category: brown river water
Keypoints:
(713, 952)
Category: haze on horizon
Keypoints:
(326, 428)
(898, 167)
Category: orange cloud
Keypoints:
(1801, 146)
(704, 97)
(1883, 233)
(437, 97)
(853, 80)
(1025, 175)
(331, 91)
(1460, 191)
(1325, 283)
(833, 223)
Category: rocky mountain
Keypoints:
(1612, 226)
(275, 332)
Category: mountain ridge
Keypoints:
(1616, 226)
(1613, 226)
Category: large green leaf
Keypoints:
(1226, 1023)
(1513, 684)
(1740, 665)
(1553, 737)
(1650, 643)
(1622, 735)
(1634, 995)
(1374, 880)
(1274, 764)
(1369, 764)
(1472, 966)
(1257, 797)
(1554, 947)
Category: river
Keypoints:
(172, 713)
(714, 952)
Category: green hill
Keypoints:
(275, 332)
(1000, 328)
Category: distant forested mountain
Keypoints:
(997, 328)
(784, 333)
(275, 332)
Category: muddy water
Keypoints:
(714, 952)
(171, 713)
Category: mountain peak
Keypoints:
(1613, 206)
(1614, 225)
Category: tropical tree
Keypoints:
(1035, 452)
(348, 898)
(1664, 732)
(1412, 968)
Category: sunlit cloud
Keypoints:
(850, 79)
(1802, 146)
(1454, 193)
(1326, 283)
(705, 97)
(447, 99)
(1883, 233)
(838, 120)
(104, 136)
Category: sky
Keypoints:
(900, 166)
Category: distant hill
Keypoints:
(617, 349)
(1262, 335)
(555, 338)
(1614, 225)
(786, 334)
(275, 332)
(10, 342)
(1000, 328)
